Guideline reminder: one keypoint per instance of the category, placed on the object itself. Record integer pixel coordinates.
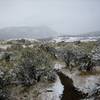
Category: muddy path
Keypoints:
(70, 92)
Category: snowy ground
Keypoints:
(5, 46)
(73, 39)
(86, 83)
(56, 91)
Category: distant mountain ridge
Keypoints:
(26, 32)
(37, 33)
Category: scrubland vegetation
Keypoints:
(24, 63)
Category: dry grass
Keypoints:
(95, 72)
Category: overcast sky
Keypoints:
(63, 16)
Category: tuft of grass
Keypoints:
(83, 73)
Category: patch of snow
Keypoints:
(86, 84)
(58, 66)
(57, 90)
(58, 87)
(73, 39)
(58, 39)
(5, 46)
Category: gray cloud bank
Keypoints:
(63, 16)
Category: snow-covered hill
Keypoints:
(74, 38)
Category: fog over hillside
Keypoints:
(63, 16)
(30, 18)
(27, 32)
(38, 33)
